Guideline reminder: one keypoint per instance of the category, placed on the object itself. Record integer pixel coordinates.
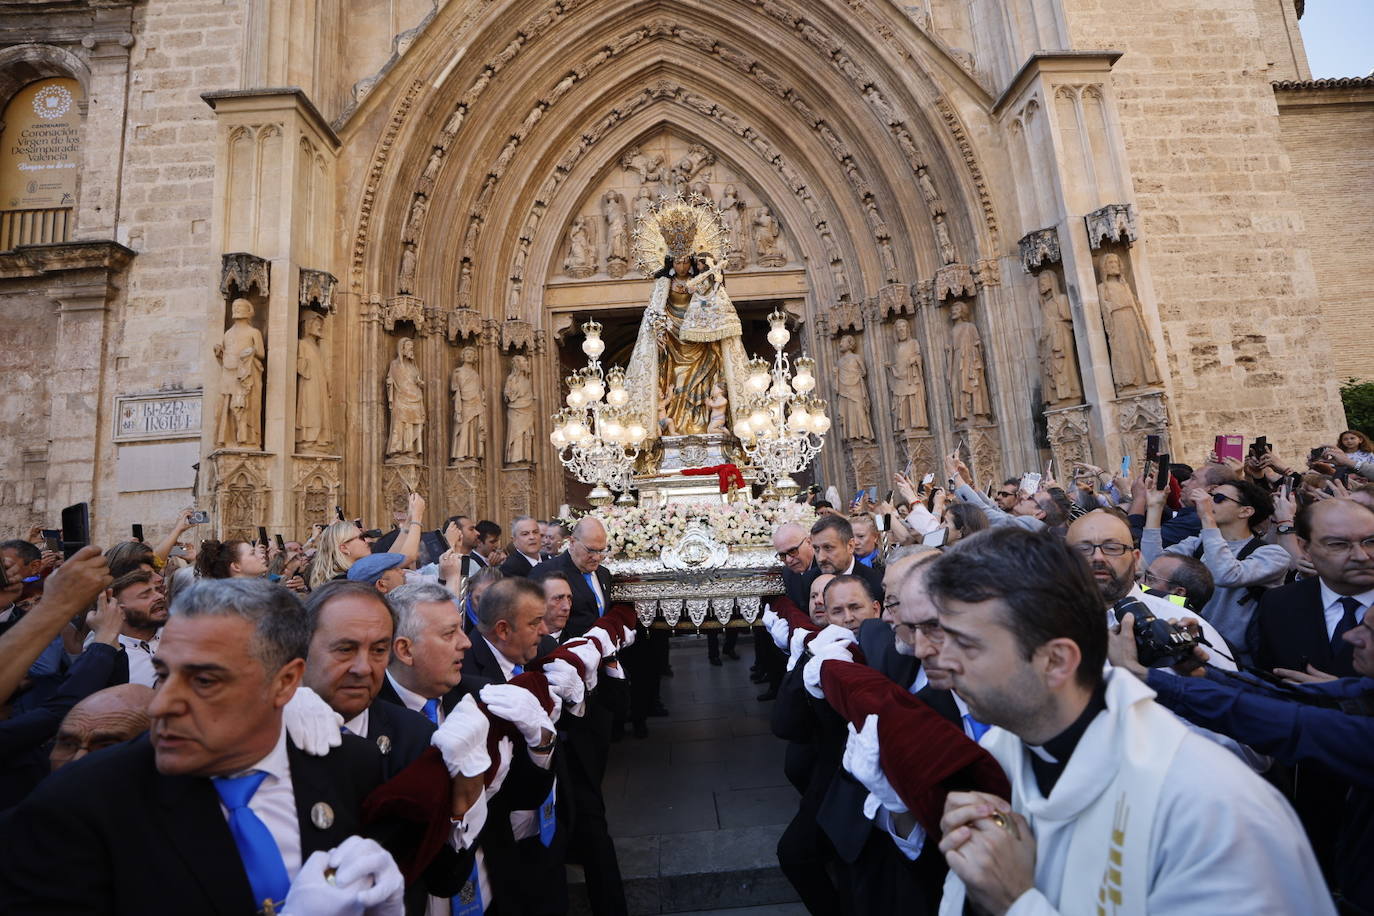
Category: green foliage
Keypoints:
(1358, 397)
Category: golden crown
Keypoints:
(677, 227)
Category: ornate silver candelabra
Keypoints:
(595, 435)
(785, 427)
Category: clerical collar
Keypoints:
(1049, 760)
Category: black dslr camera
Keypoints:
(1157, 642)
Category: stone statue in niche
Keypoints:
(417, 219)
(617, 233)
(519, 395)
(312, 386)
(969, 377)
(405, 277)
(768, 239)
(926, 185)
(908, 380)
(1058, 358)
(436, 159)
(238, 419)
(405, 397)
(1133, 365)
(644, 199)
(889, 259)
(581, 261)
(731, 206)
(943, 241)
(469, 408)
(852, 387)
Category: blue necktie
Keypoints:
(431, 710)
(517, 670)
(1347, 622)
(261, 857)
(470, 611)
(600, 608)
(468, 901)
(547, 823)
(343, 730)
(976, 728)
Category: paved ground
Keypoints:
(697, 807)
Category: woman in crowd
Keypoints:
(232, 559)
(341, 545)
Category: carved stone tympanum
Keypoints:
(581, 260)
(405, 396)
(238, 417)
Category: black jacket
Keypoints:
(1292, 631)
(516, 565)
(584, 608)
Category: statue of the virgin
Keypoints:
(689, 337)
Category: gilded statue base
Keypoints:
(662, 483)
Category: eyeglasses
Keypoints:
(1220, 498)
(1109, 549)
(1153, 581)
(791, 551)
(594, 551)
(1006, 494)
(930, 629)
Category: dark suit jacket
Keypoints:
(407, 733)
(109, 815)
(584, 610)
(873, 577)
(797, 586)
(1292, 631)
(879, 645)
(516, 565)
(480, 666)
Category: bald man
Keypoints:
(581, 564)
(106, 717)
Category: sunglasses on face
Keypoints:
(1220, 498)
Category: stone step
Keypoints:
(729, 870)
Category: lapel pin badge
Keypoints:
(322, 816)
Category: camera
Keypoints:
(1157, 642)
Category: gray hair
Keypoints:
(404, 599)
(281, 628)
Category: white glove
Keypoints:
(602, 639)
(811, 674)
(833, 634)
(778, 628)
(798, 646)
(520, 708)
(613, 670)
(566, 683)
(462, 739)
(505, 750)
(862, 762)
(311, 894)
(311, 724)
(590, 656)
(630, 634)
(363, 863)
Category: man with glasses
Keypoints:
(1179, 577)
(1243, 566)
(1104, 540)
(581, 564)
(1008, 494)
(792, 547)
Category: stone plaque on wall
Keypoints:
(157, 416)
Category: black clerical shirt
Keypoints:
(1049, 760)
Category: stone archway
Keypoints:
(473, 187)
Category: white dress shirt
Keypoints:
(275, 804)
(140, 653)
(413, 701)
(1334, 611)
(358, 724)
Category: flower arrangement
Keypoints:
(639, 531)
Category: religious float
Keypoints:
(686, 431)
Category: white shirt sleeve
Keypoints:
(909, 845)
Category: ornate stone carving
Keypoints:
(517, 488)
(1133, 364)
(404, 308)
(469, 409)
(648, 168)
(312, 387)
(463, 324)
(731, 210)
(954, 280)
(316, 290)
(238, 416)
(1140, 416)
(240, 271)
(767, 239)
(518, 393)
(968, 375)
(1070, 436)
(517, 334)
(1112, 223)
(862, 458)
(316, 485)
(617, 233)
(980, 444)
(405, 398)
(1039, 249)
(942, 240)
(581, 260)
(889, 259)
(908, 381)
(846, 316)
(923, 182)
(895, 299)
(987, 272)
(956, 129)
(241, 493)
(465, 487)
(405, 276)
(416, 221)
(374, 177)
(851, 385)
(1058, 355)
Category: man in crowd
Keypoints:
(510, 625)
(463, 538)
(104, 719)
(1318, 728)
(488, 541)
(832, 538)
(524, 536)
(1027, 654)
(145, 613)
(383, 571)
(1242, 565)
(552, 540)
(1182, 577)
(792, 546)
(849, 602)
(581, 564)
(427, 651)
(235, 815)
(817, 610)
(557, 606)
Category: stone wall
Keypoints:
(1220, 219)
(1328, 129)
